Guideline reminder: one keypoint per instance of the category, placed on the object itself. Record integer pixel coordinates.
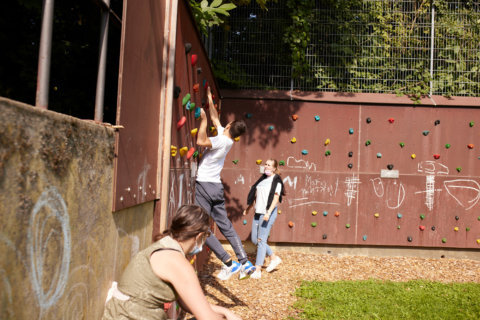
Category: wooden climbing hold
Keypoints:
(259, 161)
(181, 122)
(190, 152)
(290, 224)
(194, 59)
(294, 117)
(173, 151)
(183, 151)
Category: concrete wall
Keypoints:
(61, 244)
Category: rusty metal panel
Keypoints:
(136, 162)
(367, 204)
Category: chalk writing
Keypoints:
(301, 164)
(288, 180)
(240, 179)
(431, 168)
(352, 188)
(470, 191)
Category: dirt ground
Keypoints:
(270, 297)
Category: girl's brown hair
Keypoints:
(275, 165)
(189, 221)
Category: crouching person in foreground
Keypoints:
(162, 273)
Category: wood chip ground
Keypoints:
(271, 297)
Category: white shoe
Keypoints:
(256, 275)
(274, 263)
(227, 272)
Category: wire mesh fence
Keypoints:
(371, 46)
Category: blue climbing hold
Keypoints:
(317, 118)
(304, 152)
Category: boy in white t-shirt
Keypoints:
(209, 190)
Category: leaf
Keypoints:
(204, 4)
(227, 6)
(215, 3)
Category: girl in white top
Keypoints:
(267, 192)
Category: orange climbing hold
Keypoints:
(295, 117)
(190, 152)
(337, 213)
(290, 224)
(196, 87)
(470, 146)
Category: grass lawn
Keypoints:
(374, 299)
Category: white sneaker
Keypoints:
(256, 275)
(227, 272)
(274, 263)
(246, 270)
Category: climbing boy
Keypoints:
(209, 190)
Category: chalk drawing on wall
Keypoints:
(301, 164)
(49, 228)
(291, 184)
(352, 188)
(465, 191)
(240, 179)
(431, 168)
(142, 182)
(395, 192)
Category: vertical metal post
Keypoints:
(44, 56)
(102, 62)
(432, 47)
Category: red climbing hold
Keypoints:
(421, 228)
(194, 59)
(436, 156)
(190, 152)
(181, 122)
(391, 120)
(470, 146)
(196, 87)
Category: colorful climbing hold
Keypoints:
(444, 240)
(467, 229)
(337, 213)
(293, 140)
(425, 133)
(401, 144)
(304, 152)
(364, 238)
(422, 216)
(248, 115)
(421, 227)
(368, 142)
(347, 225)
(194, 132)
(350, 131)
(399, 215)
(259, 161)
(236, 139)
(325, 213)
(379, 155)
(235, 161)
(290, 224)
(183, 151)
(270, 128)
(471, 124)
(398, 227)
(327, 142)
(181, 122)
(188, 47)
(317, 118)
(173, 151)
(185, 99)
(376, 215)
(314, 213)
(436, 156)
(437, 122)
(478, 241)
(196, 87)
(195, 154)
(413, 156)
(391, 120)
(244, 221)
(455, 229)
(470, 146)
(199, 70)
(447, 146)
(458, 169)
(281, 163)
(190, 152)
(198, 112)
(279, 211)
(313, 224)
(327, 153)
(194, 59)
(294, 117)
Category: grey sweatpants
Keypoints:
(210, 196)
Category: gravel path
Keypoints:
(270, 297)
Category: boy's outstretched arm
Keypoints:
(202, 138)
(213, 111)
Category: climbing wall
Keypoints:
(361, 174)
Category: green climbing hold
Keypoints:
(347, 225)
(327, 153)
(281, 162)
(444, 240)
(186, 98)
(402, 144)
(195, 154)
(467, 229)
(459, 169)
(235, 161)
(448, 146)
(314, 224)
(471, 124)
(422, 216)
(368, 142)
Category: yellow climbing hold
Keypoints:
(314, 213)
(327, 142)
(173, 151)
(293, 140)
(183, 151)
(377, 215)
(259, 161)
(236, 139)
(455, 229)
(279, 211)
(193, 132)
(413, 156)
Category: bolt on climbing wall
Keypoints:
(364, 175)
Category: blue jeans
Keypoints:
(260, 233)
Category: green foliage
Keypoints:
(208, 15)
(374, 299)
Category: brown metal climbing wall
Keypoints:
(361, 174)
